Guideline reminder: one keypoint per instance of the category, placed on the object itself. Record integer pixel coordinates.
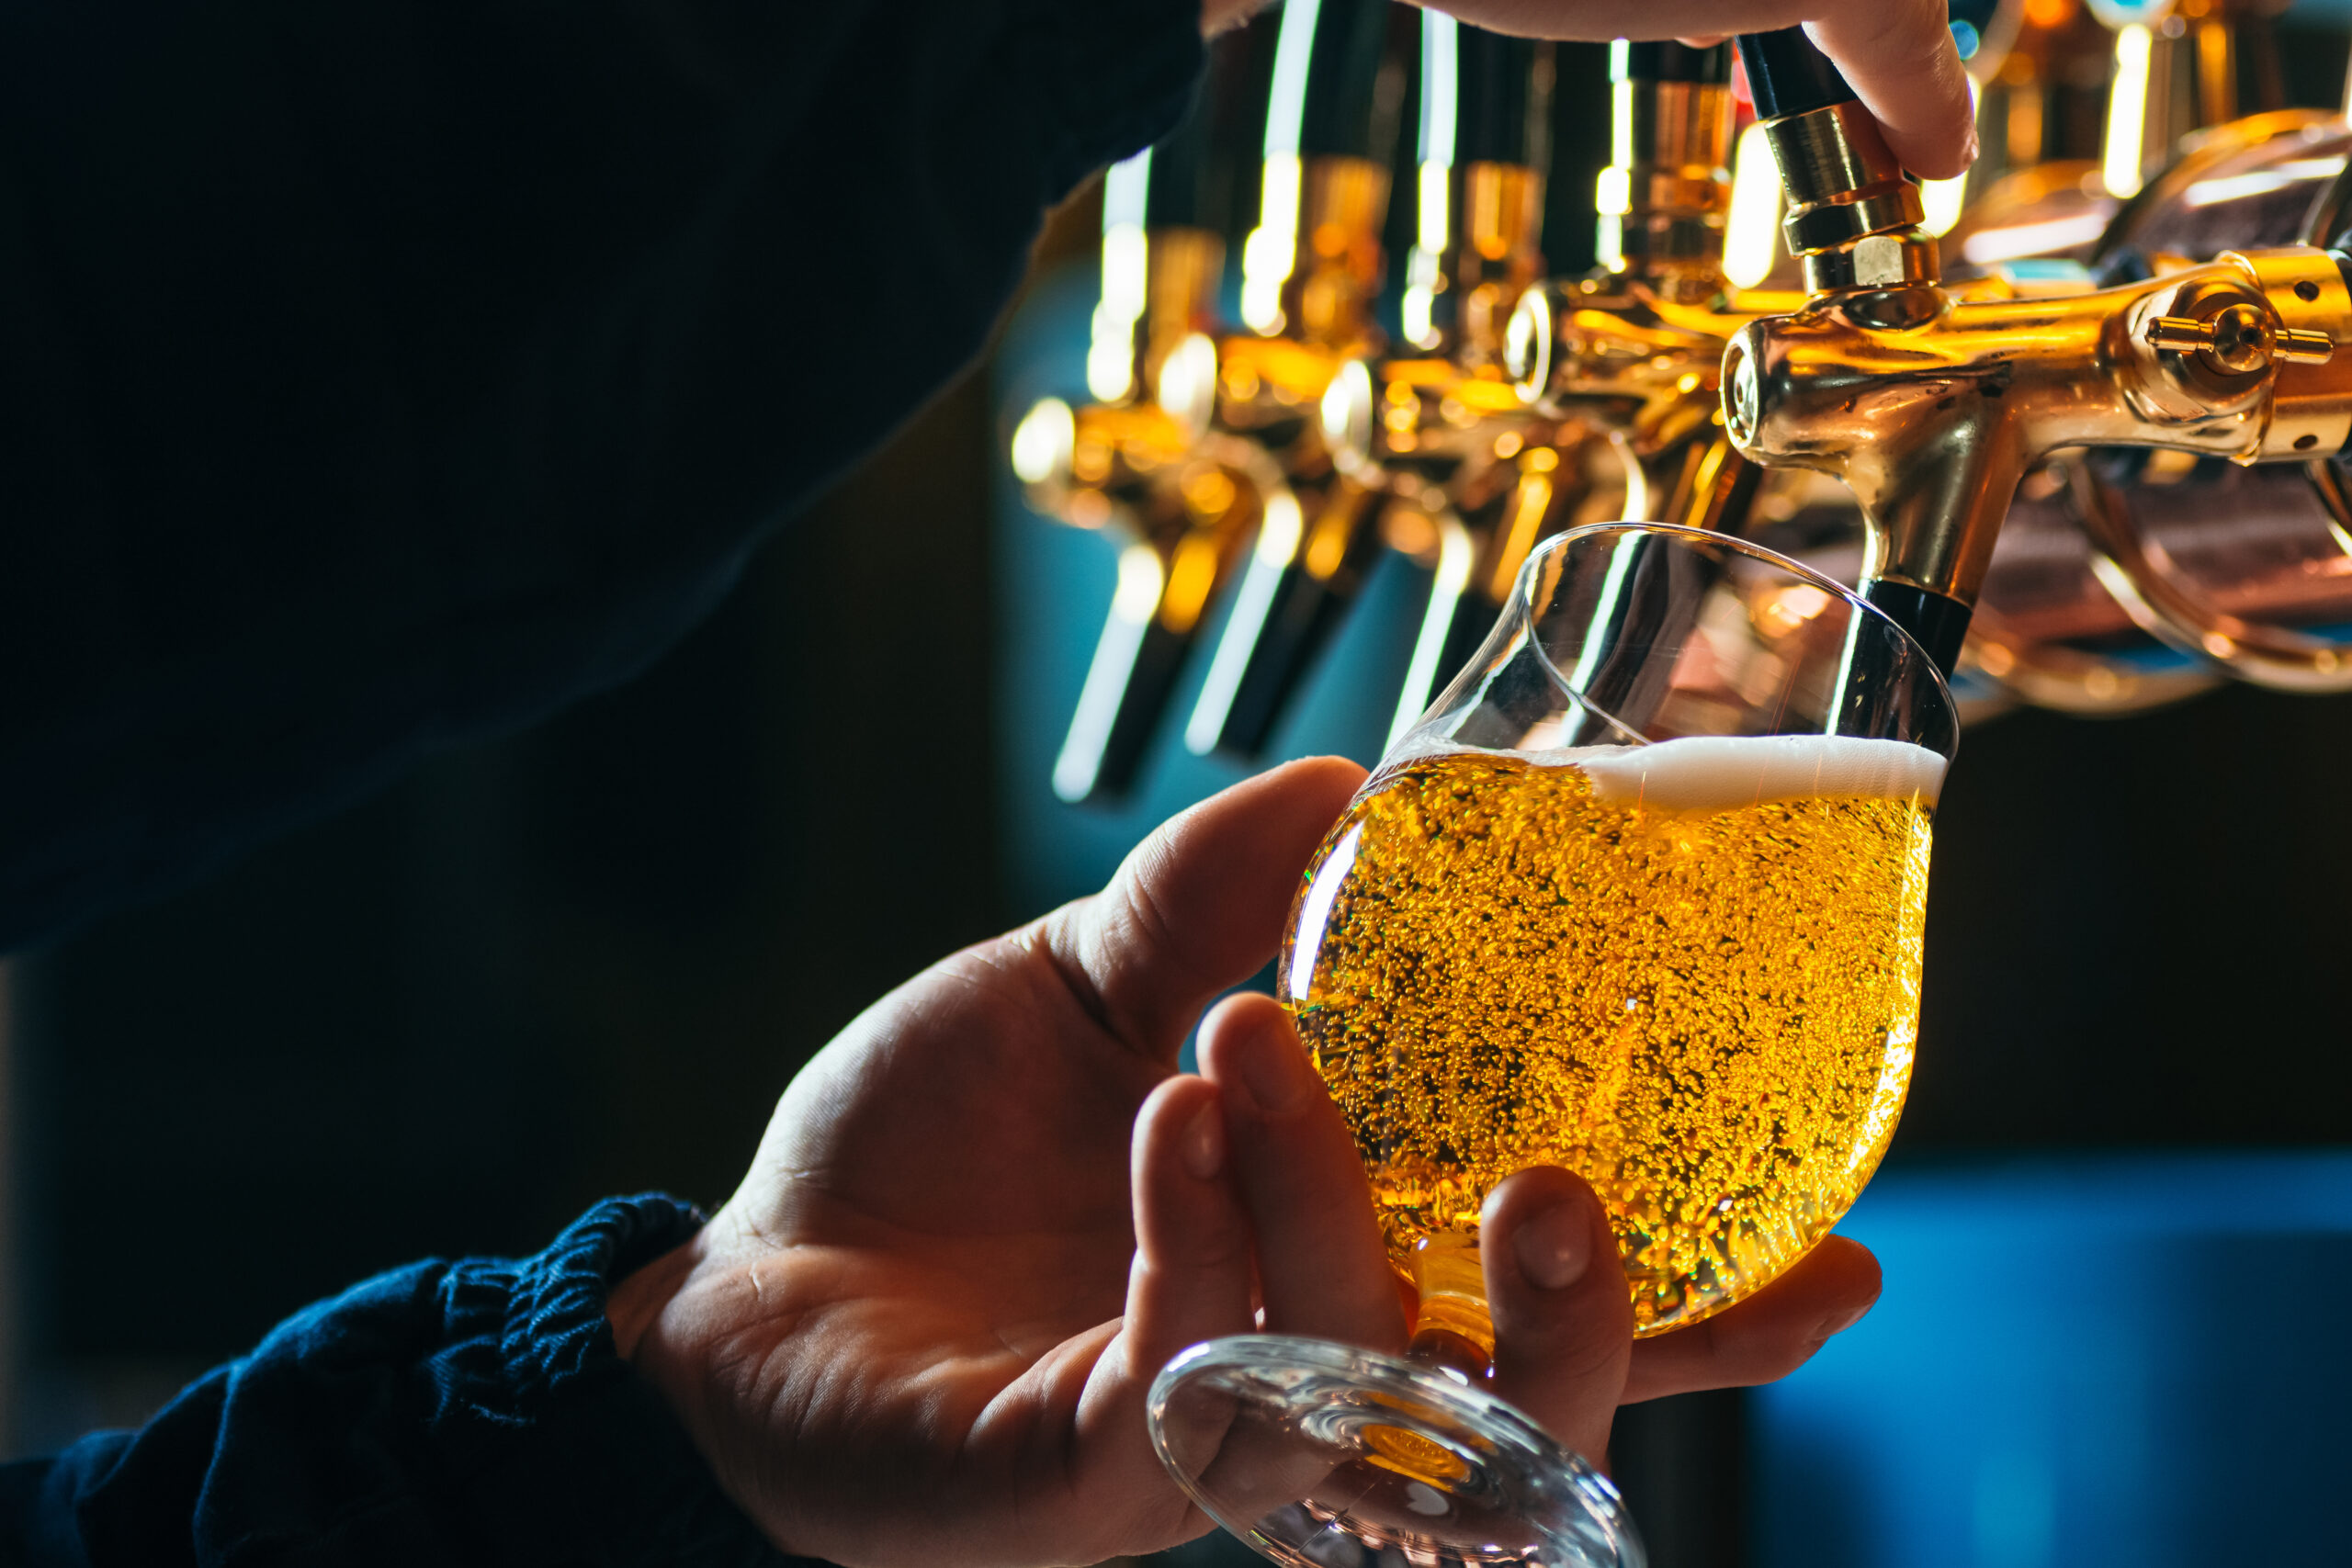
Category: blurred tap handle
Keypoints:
(1466, 474)
(1166, 575)
(1472, 537)
(1180, 502)
(1931, 408)
(1655, 316)
(1483, 156)
(1663, 200)
(1181, 511)
(1311, 271)
(1313, 264)
(1636, 348)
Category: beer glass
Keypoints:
(1641, 895)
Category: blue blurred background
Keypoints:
(2133, 1358)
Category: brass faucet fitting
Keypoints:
(1333, 256)
(1663, 199)
(1498, 255)
(1854, 215)
(1185, 268)
(1931, 409)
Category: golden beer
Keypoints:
(1689, 972)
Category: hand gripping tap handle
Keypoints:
(1932, 407)
(1795, 86)
(1787, 75)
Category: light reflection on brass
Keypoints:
(1931, 408)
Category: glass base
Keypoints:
(1321, 1455)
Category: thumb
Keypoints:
(1199, 905)
(1899, 58)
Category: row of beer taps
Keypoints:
(2015, 413)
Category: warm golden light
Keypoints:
(1278, 535)
(1110, 353)
(1043, 441)
(1424, 275)
(1944, 198)
(1187, 389)
(1189, 579)
(2127, 110)
(1267, 255)
(1752, 227)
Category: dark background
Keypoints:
(584, 960)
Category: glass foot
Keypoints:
(1324, 1456)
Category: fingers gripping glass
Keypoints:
(1642, 896)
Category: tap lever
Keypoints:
(1854, 214)
(1787, 75)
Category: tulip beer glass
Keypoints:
(1643, 896)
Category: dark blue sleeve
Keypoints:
(472, 1412)
(379, 374)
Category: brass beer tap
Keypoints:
(1931, 408)
(1181, 506)
(1634, 349)
(1310, 272)
(1468, 477)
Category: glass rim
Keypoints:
(1686, 534)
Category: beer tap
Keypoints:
(1931, 407)
(2060, 620)
(1634, 349)
(2045, 70)
(1468, 477)
(1181, 505)
(2177, 68)
(1310, 272)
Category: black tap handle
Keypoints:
(1787, 74)
(1345, 112)
(1504, 108)
(1668, 62)
(1193, 167)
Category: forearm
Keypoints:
(473, 1412)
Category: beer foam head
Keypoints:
(1722, 773)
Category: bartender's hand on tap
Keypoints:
(1897, 54)
(982, 1219)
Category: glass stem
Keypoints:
(1452, 1328)
(1445, 1350)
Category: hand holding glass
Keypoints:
(1642, 896)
